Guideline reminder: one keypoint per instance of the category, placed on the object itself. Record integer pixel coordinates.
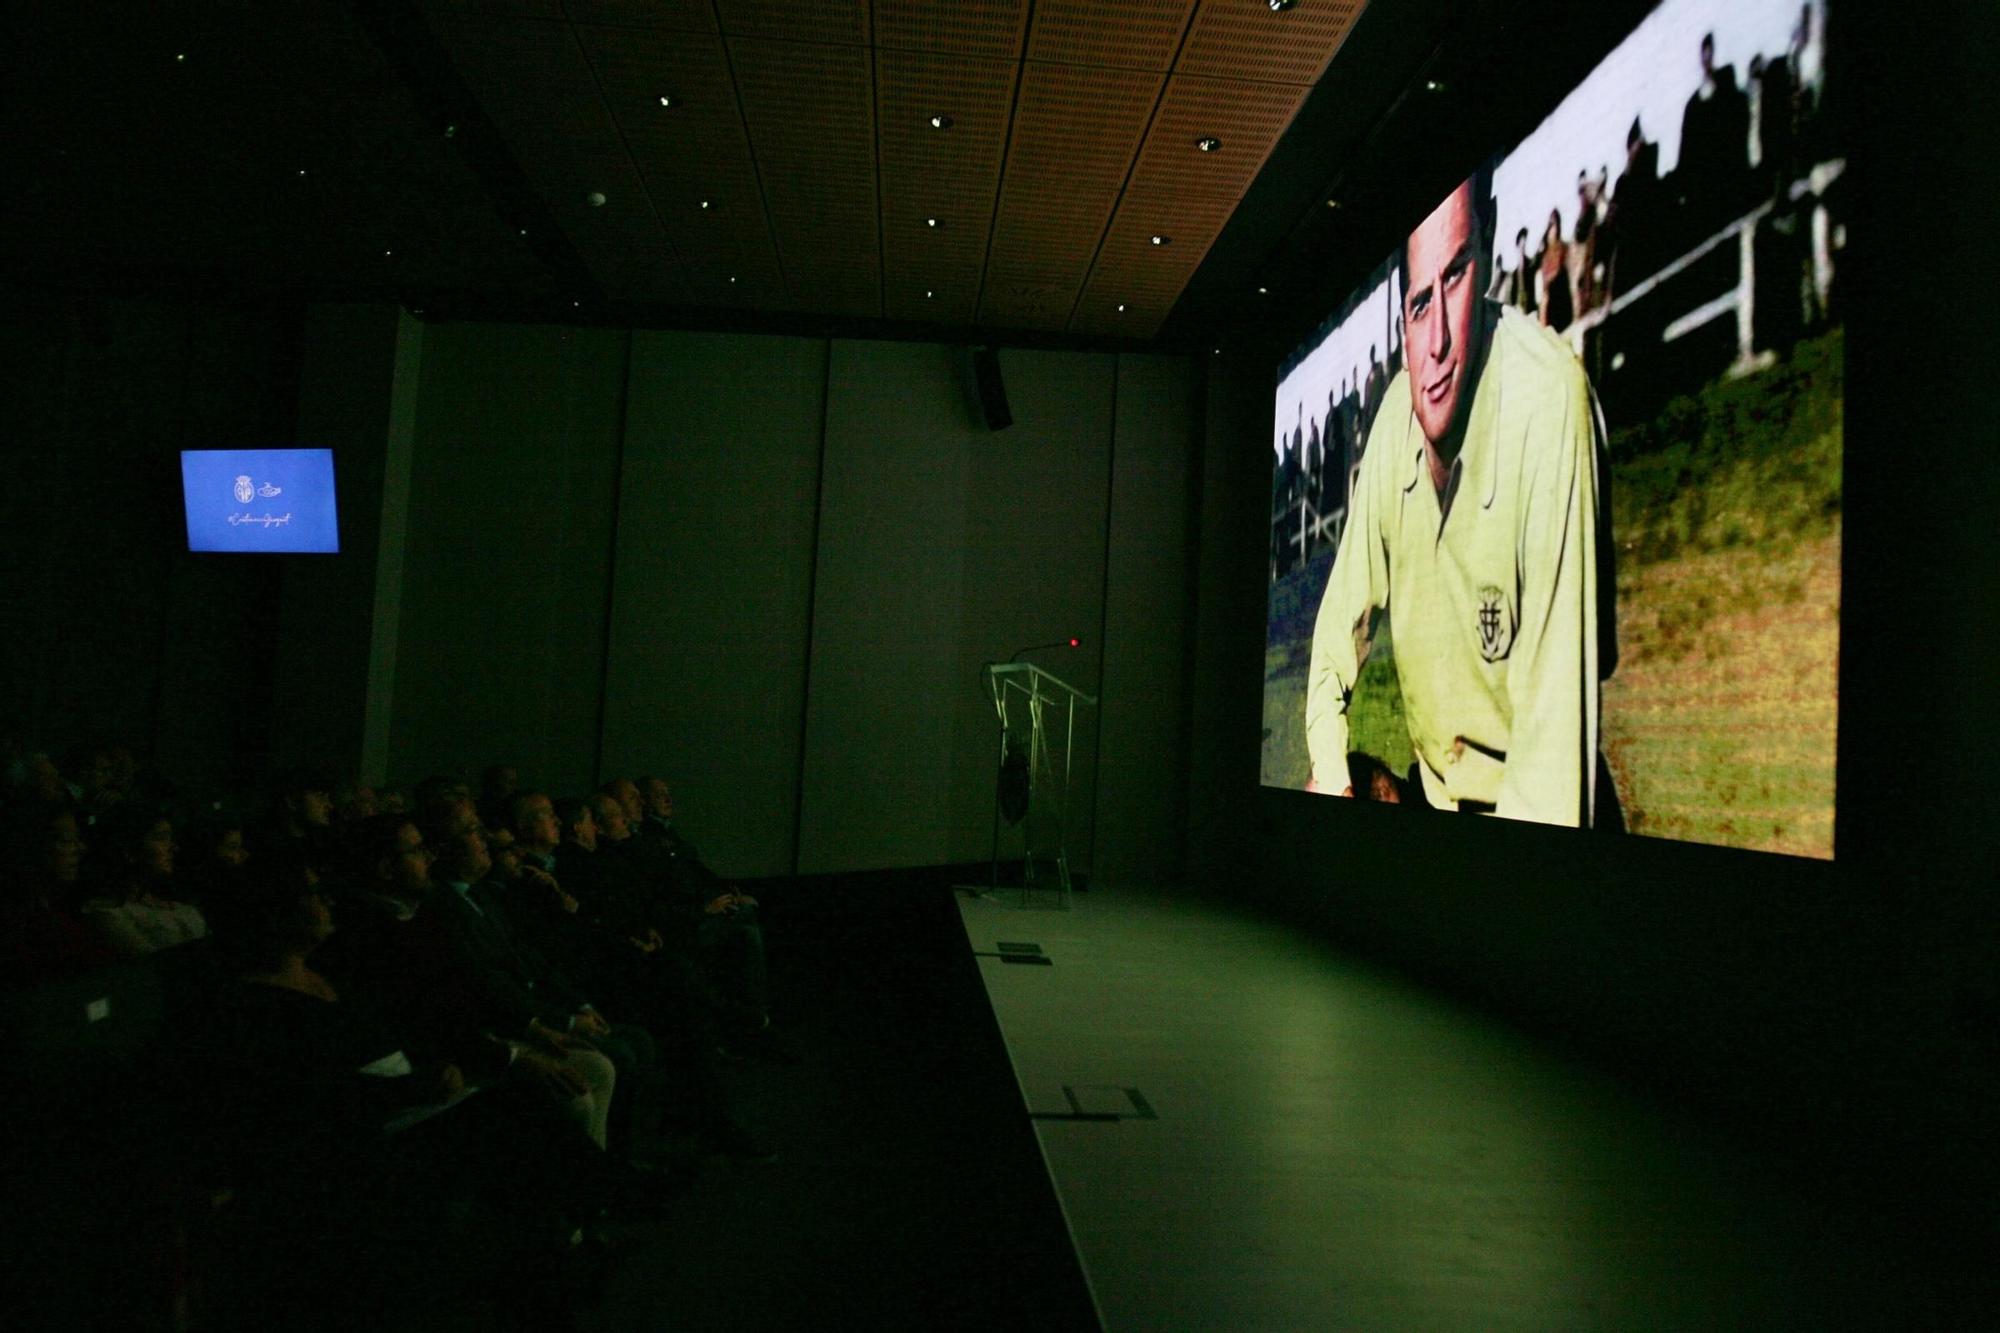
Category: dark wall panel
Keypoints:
(713, 585)
(507, 553)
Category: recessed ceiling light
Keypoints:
(1434, 85)
(302, 171)
(732, 282)
(930, 222)
(180, 58)
(451, 131)
(1263, 291)
(704, 203)
(941, 122)
(524, 231)
(1208, 143)
(387, 253)
(1121, 307)
(1159, 239)
(1333, 203)
(595, 199)
(666, 99)
(929, 294)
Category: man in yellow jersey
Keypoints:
(1477, 522)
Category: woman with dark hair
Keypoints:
(42, 846)
(134, 910)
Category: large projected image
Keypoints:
(1556, 495)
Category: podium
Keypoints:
(1037, 713)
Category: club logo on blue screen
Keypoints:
(260, 501)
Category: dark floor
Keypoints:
(910, 1191)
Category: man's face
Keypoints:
(229, 848)
(583, 830)
(476, 860)
(315, 808)
(1440, 312)
(611, 822)
(627, 792)
(659, 799)
(410, 871)
(539, 825)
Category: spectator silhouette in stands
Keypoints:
(1333, 477)
(42, 845)
(1583, 258)
(1371, 393)
(1514, 286)
(1553, 305)
(1715, 143)
(1634, 219)
(133, 906)
(1773, 121)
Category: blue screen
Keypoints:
(260, 501)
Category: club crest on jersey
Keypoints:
(1494, 627)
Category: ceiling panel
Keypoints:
(947, 175)
(533, 80)
(988, 28)
(842, 22)
(811, 117)
(1246, 39)
(1246, 117)
(670, 15)
(694, 156)
(1134, 34)
(795, 169)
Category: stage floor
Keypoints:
(1316, 1144)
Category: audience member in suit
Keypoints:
(397, 951)
(729, 936)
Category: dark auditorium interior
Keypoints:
(728, 401)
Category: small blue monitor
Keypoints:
(260, 501)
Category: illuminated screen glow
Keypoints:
(260, 501)
(1556, 494)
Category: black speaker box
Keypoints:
(992, 391)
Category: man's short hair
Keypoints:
(1482, 226)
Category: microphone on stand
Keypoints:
(1037, 647)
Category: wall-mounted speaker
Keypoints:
(992, 390)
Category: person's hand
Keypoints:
(451, 1080)
(719, 904)
(551, 1074)
(547, 1038)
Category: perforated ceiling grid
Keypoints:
(804, 125)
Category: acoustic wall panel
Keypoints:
(711, 588)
